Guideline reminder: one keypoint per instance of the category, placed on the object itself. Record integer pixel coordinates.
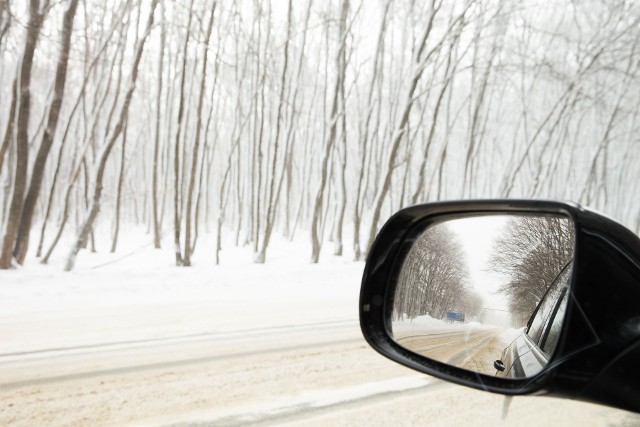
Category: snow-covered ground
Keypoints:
(138, 293)
(424, 323)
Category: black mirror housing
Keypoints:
(597, 358)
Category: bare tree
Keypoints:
(176, 154)
(196, 144)
(308, 114)
(419, 62)
(106, 150)
(433, 278)
(274, 194)
(36, 18)
(37, 174)
(123, 160)
(316, 243)
(156, 144)
(530, 253)
(365, 130)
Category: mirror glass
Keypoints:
(486, 293)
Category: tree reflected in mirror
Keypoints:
(486, 293)
(531, 252)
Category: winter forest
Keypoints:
(310, 118)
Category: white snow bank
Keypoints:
(405, 325)
(138, 293)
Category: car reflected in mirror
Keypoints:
(486, 293)
(529, 353)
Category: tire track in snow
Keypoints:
(243, 333)
(271, 340)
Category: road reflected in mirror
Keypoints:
(486, 293)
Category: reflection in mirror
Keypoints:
(486, 293)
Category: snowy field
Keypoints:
(138, 293)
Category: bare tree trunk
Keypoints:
(37, 174)
(365, 144)
(8, 134)
(316, 243)
(196, 144)
(116, 229)
(239, 196)
(22, 135)
(85, 169)
(224, 197)
(52, 192)
(273, 198)
(7, 184)
(176, 155)
(260, 155)
(156, 145)
(342, 159)
(198, 198)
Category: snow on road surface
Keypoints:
(129, 339)
(469, 345)
(315, 401)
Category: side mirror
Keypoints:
(513, 297)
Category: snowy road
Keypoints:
(310, 374)
(135, 341)
(474, 349)
(33, 368)
(258, 375)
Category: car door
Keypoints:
(531, 350)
